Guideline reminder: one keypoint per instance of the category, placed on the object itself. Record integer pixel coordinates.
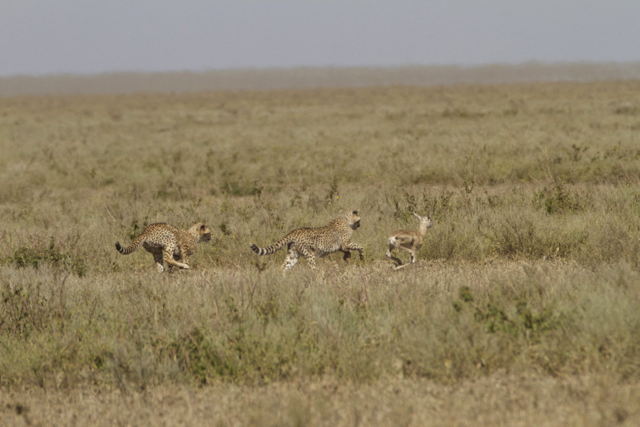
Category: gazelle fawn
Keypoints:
(409, 240)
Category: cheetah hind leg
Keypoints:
(157, 258)
(310, 255)
(292, 258)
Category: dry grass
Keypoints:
(524, 295)
(496, 400)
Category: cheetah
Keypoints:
(168, 243)
(317, 242)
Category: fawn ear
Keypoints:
(417, 216)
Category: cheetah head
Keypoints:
(202, 232)
(353, 219)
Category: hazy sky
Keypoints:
(93, 36)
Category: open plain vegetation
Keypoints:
(523, 307)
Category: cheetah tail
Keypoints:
(273, 248)
(131, 248)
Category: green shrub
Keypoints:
(557, 200)
(35, 256)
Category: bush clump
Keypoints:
(35, 256)
(557, 200)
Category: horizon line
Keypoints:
(311, 77)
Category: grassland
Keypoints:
(312, 78)
(522, 308)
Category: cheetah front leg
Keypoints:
(167, 255)
(353, 247)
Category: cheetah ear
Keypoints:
(203, 227)
(355, 212)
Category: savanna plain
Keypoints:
(523, 307)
